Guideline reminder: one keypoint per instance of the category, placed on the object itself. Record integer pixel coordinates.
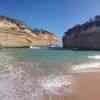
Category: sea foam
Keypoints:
(86, 67)
(94, 57)
(57, 85)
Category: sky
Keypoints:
(54, 15)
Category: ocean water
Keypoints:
(49, 61)
(29, 74)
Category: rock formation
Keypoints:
(84, 36)
(14, 33)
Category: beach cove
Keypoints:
(45, 74)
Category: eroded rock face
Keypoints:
(85, 36)
(14, 33)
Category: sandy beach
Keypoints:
(20, 84)
(23, 79)
(85, 87)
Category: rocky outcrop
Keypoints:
(84, 36)
(14, 33)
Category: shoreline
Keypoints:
(86, 86)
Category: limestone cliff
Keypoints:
(14, 33)
(84, 36)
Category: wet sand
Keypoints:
(20, 83)
(86, 86)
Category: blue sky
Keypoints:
(55, 15)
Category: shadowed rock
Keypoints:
(84, 36)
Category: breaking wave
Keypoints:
(86, 67)
(94, 57)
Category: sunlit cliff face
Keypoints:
(14, 33)
(6, 24)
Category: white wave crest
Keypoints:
(86, 67)
(94, 57)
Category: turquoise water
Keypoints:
(47, 61)
(50, 55)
